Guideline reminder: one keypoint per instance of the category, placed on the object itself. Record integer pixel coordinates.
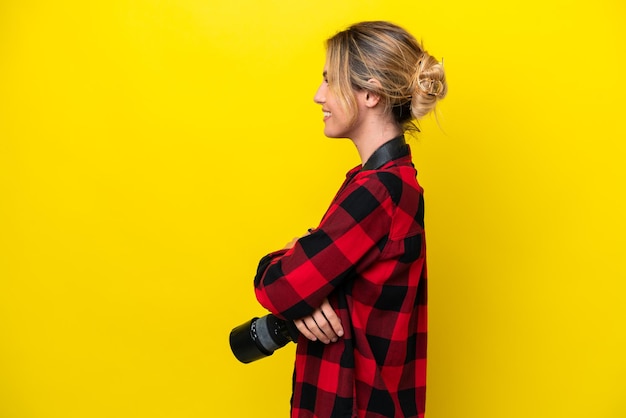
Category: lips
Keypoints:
(327, 114)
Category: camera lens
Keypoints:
(259, 337)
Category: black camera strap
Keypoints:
(390, 150)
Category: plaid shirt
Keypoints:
(368, 258)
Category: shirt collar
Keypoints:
(389, 151)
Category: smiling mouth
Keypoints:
(327, 114)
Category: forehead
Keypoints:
(325, 70)
(329, 62)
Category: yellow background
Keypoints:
(152, 151)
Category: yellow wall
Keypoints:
(152, 151)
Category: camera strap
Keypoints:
(389, 151)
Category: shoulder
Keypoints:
(390, 181)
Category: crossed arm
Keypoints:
(323, 324)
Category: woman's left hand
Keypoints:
(323, 324)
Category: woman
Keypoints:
(355, 286)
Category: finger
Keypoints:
(324, 326)
(314, 327)
(291, 243)
(304, 330)
(332, 318)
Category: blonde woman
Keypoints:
(355, 286)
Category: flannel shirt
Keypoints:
(368, 258)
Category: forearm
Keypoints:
(275, 292)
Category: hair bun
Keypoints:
(431, 87)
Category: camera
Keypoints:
(260, 337)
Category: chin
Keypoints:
(335, 134)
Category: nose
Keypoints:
(320, 95)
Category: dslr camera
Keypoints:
(260, 337)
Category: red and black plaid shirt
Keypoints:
(368, 258)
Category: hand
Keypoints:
(323, 324)
(291, 243)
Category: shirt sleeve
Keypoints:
(293, 283)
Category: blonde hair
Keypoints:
(411, 81)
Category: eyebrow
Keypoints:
(324, 74)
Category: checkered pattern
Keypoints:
(368, 258)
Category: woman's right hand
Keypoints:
(322, 325)
(291, 243)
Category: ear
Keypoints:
(372, 99)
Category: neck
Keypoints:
(373, 139)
